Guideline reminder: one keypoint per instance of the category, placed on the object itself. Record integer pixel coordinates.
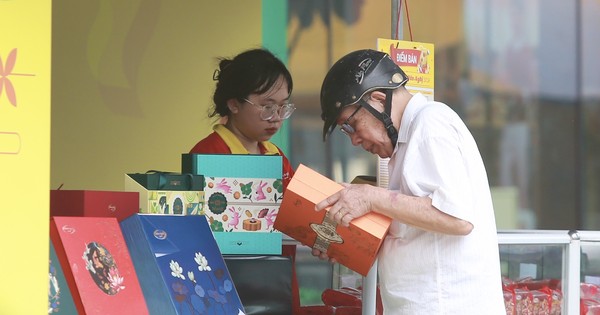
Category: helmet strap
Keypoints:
(385, 116)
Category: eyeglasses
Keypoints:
(345, 126)
(268, 111)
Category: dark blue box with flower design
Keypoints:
(179, 265)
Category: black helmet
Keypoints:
(351, 77)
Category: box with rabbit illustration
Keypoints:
(244, 206)
(242, 194)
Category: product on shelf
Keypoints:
(532, 297)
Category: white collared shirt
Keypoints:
(422, 272)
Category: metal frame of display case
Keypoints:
(589, 241)
(571, 258)
(571, 271)
(572, 242)
(570, 263)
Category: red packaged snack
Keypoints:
(523, 301)
(509, 302)
(590, 291)
(507, 282)
(556, 305)
(589, 307)
(541, 302)
(537, 284)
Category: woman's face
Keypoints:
(245, 119)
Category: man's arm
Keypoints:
(356, 200)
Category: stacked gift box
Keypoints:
(158, 246)
(96, 265)
(198, 241)
(107, 258)
(355, 246)
(242, 198)
(181, 268)
(167, 192)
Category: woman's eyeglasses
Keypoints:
(345, 126)
(268, 111)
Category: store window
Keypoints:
(524, 76)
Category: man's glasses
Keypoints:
(268, 111)
(345, 126)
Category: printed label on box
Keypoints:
(355, 246)
(166, 201)
(242, 204)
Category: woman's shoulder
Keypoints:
(213, 143)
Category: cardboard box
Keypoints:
(93, 203)
(180, 266)
(233, 165)
(60, 300)
(166, 201)
(241, 213)
(242, 204)
(355, 247)
(242, 198)
(155, 180)
(249, 243)
(97, 266)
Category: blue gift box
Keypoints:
(180, 267)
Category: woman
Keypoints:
(252, 99)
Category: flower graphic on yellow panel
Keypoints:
(6, 70)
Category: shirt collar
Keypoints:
(236, 146)
(409, 113)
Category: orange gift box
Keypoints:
(355, 247)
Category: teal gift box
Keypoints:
(242, 198)
(233, 165)
(249, 243)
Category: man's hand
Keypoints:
(323, 256)
(347, 204)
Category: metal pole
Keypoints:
(369, 293)
(396, 26)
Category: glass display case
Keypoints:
(540, 271)
(543, 272)
(589, 242)
(561, 266)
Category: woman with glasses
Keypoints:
(252, 98)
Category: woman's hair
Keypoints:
(251, 72)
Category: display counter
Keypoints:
(540, 271)
(561, 268)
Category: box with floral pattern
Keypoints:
(181, 268)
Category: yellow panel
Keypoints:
(132, 82)
(24, 154)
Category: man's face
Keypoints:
(365, 130)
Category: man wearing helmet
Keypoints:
(441, 252)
